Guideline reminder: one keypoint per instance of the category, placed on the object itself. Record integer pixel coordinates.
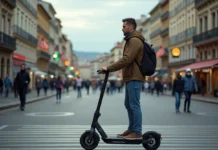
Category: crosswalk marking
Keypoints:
(66, 137)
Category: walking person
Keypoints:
(38, 85)
(79, 86)
(59, 86)
(22, 81)
(189, 86)
(132, 77)
(178, 88)
(158, 86)
(7, 83)
(87, 85)
(45, 85)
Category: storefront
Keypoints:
(207, 71)
(17, 61)
(42, 62)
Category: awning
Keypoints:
(199, 65)
(40, 73)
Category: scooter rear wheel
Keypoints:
(89, 145)
(153, 139)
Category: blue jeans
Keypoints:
(178, 99)
(6, 91)
(132, 104)
(79, 91)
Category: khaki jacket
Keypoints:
(133, 51)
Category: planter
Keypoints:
(215, 93)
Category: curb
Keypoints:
(27, 102)
(199, 100)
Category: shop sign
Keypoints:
(19, 57)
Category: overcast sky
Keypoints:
(95, 25)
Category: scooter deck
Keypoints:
(120, 140)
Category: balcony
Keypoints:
(190, 32)
(25, 36)
(51, 40)
(165, 32)
(12, 3)
(43, 54)
(153, 19)
(53, 65)
(199, 3)
(204, 37)
(7, 41)
(43, 31)
(155, 33)
(29, 7)
(180, 7)
(165, 15)
(182, 36)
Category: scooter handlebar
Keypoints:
(103, 72)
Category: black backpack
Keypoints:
(149, 60)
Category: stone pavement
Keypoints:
(198, 97)
(11, 101)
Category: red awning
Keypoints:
(199, 65)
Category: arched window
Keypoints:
(2, 67)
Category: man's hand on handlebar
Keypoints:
(103, 70)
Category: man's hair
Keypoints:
(23, 65)
(130, 21)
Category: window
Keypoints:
(201, 55)
(21, 21)
(213, 54)
(205, 23)
(18, 18)
(205, 55)
(213, 20)
(189, 22)
(201, 25)
(193, 21)
(3, 23)
(190, 52)
(9, 26)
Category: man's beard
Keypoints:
(126, 33)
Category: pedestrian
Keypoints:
(158, 86)
(38, 85)
(79, 85)
(45, 85)
(1, 86)
(59, 86)
(22, 81)
(202, 86)
(132, 77)
(7, 83)
(178, 88)
(87, 85)
(189, 86)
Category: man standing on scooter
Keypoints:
(133, 51)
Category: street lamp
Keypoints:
(176, 52)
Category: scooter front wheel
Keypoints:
(153, 140)
(89, 144)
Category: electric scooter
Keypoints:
(89, 140)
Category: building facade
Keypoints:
(7, 41)
(25, 26)
(182, 27)
(206, 44)
(155, 30)
(43, 56)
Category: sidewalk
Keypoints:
(198, 97)
(11, 101)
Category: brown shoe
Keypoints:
(133, 136)
(125, 133)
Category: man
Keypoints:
(189, 86)
(132, 76)
(22, 80)
(7, 82)
(79, 86)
